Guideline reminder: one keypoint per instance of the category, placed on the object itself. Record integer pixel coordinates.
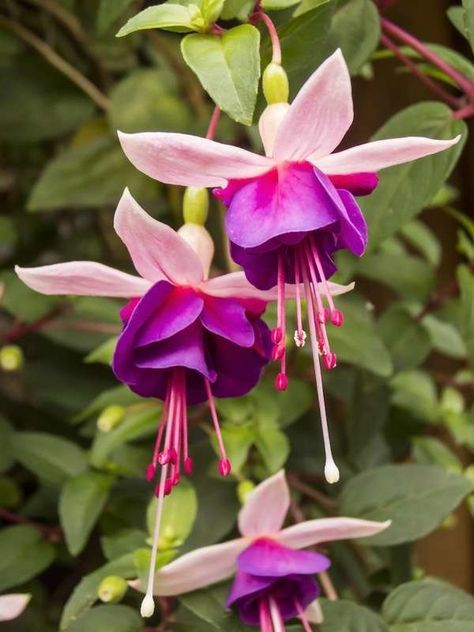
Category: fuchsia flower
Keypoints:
(290, 210)
(273, 580)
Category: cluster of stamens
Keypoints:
(271, 619)
(309, 278)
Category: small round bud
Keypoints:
(275, 84)
(195, 205)
(110, 418)
(11, 358)
(243, 490)
(112, 589)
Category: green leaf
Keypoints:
(407, 340)
(122, 542)
(168, 16)
(405, 189)
(356, 30)
(273, 446)
(238, 439)
(103, 354)
(39, 103)
(81, 502)
(239, 9)
(278, 5)
(209, 606)
(179, 514)
(416, 498)
(445, 338)
(148, 99)
(85, 593)
(49, 457)
(409, 276)
(228, 66)
(346, 616)
(466, 287)
(357, 342)
(423, 239)
(109, 12)
(432, 451)
(23, 555)
(468, 6)
(7, 458)
(106, 618)
(456, 16)
(429, 606)
(87, 175)
(22, 302)
(415, 391)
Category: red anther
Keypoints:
(337, 317)
(168, 487)
(224, 467)
(330, 360)
(276, 335)
(150, 472)
(176, 479)
(322, 317)
(281, 382)
(188, 465)
(321, 346)
(277, 352)
(164, 457)
(173, 456)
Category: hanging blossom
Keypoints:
(273, 580)
(186, 338)
(290, 210)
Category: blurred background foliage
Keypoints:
(74, 444)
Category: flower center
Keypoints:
(309, 277)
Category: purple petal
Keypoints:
(290, 199)
(265, 557)
(353, 233)
(356, 183)
(227, 318)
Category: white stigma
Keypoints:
(300, 338)
(331, 471)
(148, 606)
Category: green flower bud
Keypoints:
(112, 589)
(469, 473)
(195, 205)
(275, 84)
(11, 358)
(110, 418)
(169, 539)
(243, 490)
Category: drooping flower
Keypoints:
(290, 210)
(273, 579)
(185, 339)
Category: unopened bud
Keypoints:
(112, 589)
(243, 490)
(110, 417)
(11, 358)
(275, 84)
(195, 205)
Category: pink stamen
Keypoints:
(217, 429)
(265, 618)
(330, 360)
(150, 472)
(225, 467)
(319, 309)
(322, 276)
(337, 317)
(300, 334)
(303, 617)
(281, 382)
(277, 619)
(188, 465)
(276, 335)
(279, 352)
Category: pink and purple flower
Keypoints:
(274, 580)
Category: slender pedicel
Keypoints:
(303, 618)
(277, 619)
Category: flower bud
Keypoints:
(11, 358)
(110, 417)
(112, 589)
(275, 84)
(243, 490)
(195, 205)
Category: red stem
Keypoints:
(211, 130)
(53, 534)
(271, 28)
(464, 84)
(20, 330)
(432, 85)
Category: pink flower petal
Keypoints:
(11, 606)
(236, 285)
(319, 116)
(311, 532)
(380, 154)
(190, 160)
(199, 568)
(83, 278)
(266, 507)
(157, 251)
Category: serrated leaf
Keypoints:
(415, 497)
(49, 457)
(81, 502)
(228, 66)
(405, 189)
(23, 555)
(429, 606)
